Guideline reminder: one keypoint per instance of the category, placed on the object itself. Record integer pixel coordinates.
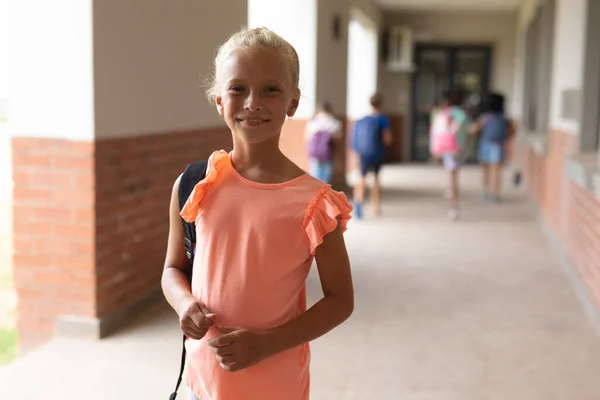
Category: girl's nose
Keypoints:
(253, 102)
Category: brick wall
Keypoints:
(91, 221)
(582, 240)
(572, 212)
(134, 179)
(53, 214)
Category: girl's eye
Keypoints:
(272, 89)
(236, 89)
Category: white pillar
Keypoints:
(296, 22)
(51, 69)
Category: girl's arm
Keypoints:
(193, 317)
(476, 126)
(239, 348)
(336, 305)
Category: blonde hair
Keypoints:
(247, 39)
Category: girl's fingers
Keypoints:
(194, 332)
(226, 360)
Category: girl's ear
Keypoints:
(219, 104)
(294, 105)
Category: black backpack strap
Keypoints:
(193, 174)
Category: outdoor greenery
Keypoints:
(8, 345)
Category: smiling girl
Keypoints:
(260, 223)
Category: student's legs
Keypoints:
(485, 177)
(376, 195)
(451, 165)
(454, 194)
(496, 170)
(327, 171)
(359, 192)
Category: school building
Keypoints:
(107, 107)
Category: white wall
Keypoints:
(151, 60)
(569, 45)
(524, 17)
(362, 64)
(50, 67)
(296, 22)
(332, 55)
(367, 7)
(4, 49)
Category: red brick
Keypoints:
(84, 197)
(30, 230)
(32, 260)
(51, 277)
(85, 248)
(79, 149)
(75, 263)
(54, 180)
(85, 180)
(85, 217)
(58, 246)
(32, 161)
(74, 231)
(74, 163)
(32, 195)
(21, 178)
(53, 214)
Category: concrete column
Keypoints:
(51, 115)
(107, 108)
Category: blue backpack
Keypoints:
(366, 138)
(495, 128)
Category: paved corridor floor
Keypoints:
(477, 309)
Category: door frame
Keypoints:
(452, 50)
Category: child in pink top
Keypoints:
(260, 223)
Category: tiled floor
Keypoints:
(478, 309)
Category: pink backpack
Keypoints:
(444, 133)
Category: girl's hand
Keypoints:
(194, 318)
(240, 348)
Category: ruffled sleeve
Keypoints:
(192, 206)
(323, 213)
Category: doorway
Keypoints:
(440, 68)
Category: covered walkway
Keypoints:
(479, 309)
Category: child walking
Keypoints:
(448, 137)
(370, 136)
(260, 223)
(494, 129)
(321, 134)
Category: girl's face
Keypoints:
(256, 94)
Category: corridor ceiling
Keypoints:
(454, 5)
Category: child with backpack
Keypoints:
(321, 133)
(370, 136)
(494, 129)
(260, 221)
(448, 136)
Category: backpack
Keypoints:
(366, 138)
(445, 133)
(193, 174)
(495, 128)
(319, 146)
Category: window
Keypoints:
(539, 43)
(590, 118)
